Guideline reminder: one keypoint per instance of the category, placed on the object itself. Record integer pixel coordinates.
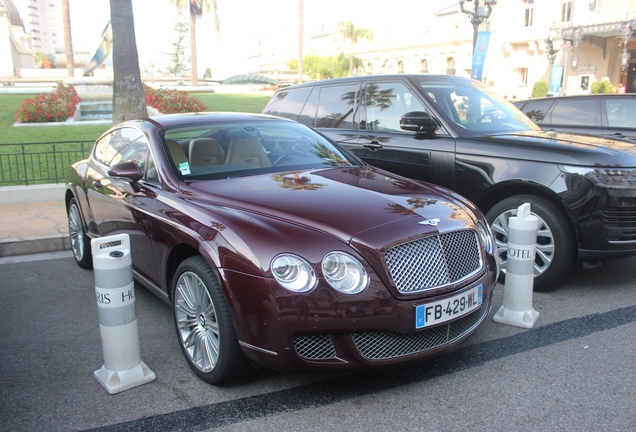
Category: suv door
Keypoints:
(381, 141)
(619, 117)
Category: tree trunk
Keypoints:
(193, 46)
(300, 40)
(68, 44)
(128, 92)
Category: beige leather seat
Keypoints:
(176, 152)
(247, 151)
(205, 151)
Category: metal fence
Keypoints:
(38, 163)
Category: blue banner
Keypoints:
(479, 55)
(556, 76)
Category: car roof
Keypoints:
(170, 120)
(583, 96)
(372, 78)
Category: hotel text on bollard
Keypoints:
(517, 307)
(115, 294)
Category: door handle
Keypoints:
(373, 145)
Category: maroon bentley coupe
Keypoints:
(273, 244)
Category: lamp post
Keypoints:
(578, 35)
(553, 43)
(478, 15)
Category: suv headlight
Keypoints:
(611, 178)
(344, 272)
(293, 273)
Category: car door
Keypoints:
(619, 117)
(119, 205)
(381, 141)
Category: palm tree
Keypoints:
(300, 40)
(196, 8)
(68, 44)
(128, 92)
(349, 32)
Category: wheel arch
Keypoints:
(508, 189)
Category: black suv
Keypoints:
(456, 133)
(608, 115)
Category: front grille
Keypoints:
(620, 224)
(314, 347)
(380, 346)
(434, 261)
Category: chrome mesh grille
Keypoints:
(434, 261)
(314, 347)
(379, 346)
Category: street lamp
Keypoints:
(578, 35)
(478, 15)
(553, 43)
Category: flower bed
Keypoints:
(49, 107)
(168, 101)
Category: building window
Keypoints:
(450, 66)
(424, 66)
(522, 74)
(529, 13)
(400, 67)
(566, 12)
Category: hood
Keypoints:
(340, 201)
(555, 147)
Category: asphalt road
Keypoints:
(575, 370)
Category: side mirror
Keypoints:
(419, 122)
(128, 170)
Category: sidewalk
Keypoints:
(33, 220)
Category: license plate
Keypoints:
(441, 311)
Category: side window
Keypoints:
(618, 110)
(108, 147)
(385, 103)
(308, 114)
(536, 111)
(576, 112)
(336, 108)
(151, 171)
(287, 104)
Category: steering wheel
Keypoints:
(286, 155)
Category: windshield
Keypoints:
(473, 108)
(231, 149)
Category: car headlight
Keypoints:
(486, 237)
(611, 178)
(344, 272)
(293, 273)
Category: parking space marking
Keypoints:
(336, 390)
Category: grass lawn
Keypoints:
(74, 132)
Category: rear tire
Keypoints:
(556, 246)
(80, 242)
(204, 326)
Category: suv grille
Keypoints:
(431, 262)
(620, 224)
(379, 346)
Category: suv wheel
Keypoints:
(555, 250)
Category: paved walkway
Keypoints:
(33, 227)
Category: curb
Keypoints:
(34, 245)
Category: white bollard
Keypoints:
(115, 294)
(517, 307)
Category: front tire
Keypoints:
(80, 242)
(204, 325)
(556, 246)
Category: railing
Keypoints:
(38, 163)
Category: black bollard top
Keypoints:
(116, 254)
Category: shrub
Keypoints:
(540, 89)
(169, 101)
(49, 107)
(603, 86)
